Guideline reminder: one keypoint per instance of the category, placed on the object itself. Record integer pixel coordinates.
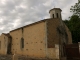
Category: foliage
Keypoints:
(74, 22)
(76, 8)
(74, 26)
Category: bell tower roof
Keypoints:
(55, 9)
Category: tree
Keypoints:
(74, 22)
(74, 26)
(76, 8)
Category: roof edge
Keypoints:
(33, 23)
(55, 9)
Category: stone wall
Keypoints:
(3, 44)
(34, 37)
(52, 34)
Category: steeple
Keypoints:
(55, 13)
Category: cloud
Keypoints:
(17, 13)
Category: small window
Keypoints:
(60, 15)
(53, 15)
(22, 30)
(57, 15)
(22, 43)
(4, 37)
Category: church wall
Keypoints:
(16, 37)
(69, 35)
(53, 36)
(34, 40)
(56, 35)
(53, 53)
(34, 37)
(3, 44)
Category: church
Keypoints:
(42, 39)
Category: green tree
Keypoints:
(74, 26)
(76, 9)
(74, 22)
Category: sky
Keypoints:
(18, 13)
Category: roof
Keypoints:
(55, 9)
(8, 35)
(30, 24)
(33, 24)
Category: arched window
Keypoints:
(22, 42)
(53, 15)
(57, 15)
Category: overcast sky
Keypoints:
(17, 13)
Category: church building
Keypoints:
(42, 39)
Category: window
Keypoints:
(53, 15)
(0, 44)
(22, 43)
(4, 37)
(22, 30)
(60, 15)
(57, 15)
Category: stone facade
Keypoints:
(42, 39)
(34, 40)
(5, 44)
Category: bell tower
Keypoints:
(55, 13)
